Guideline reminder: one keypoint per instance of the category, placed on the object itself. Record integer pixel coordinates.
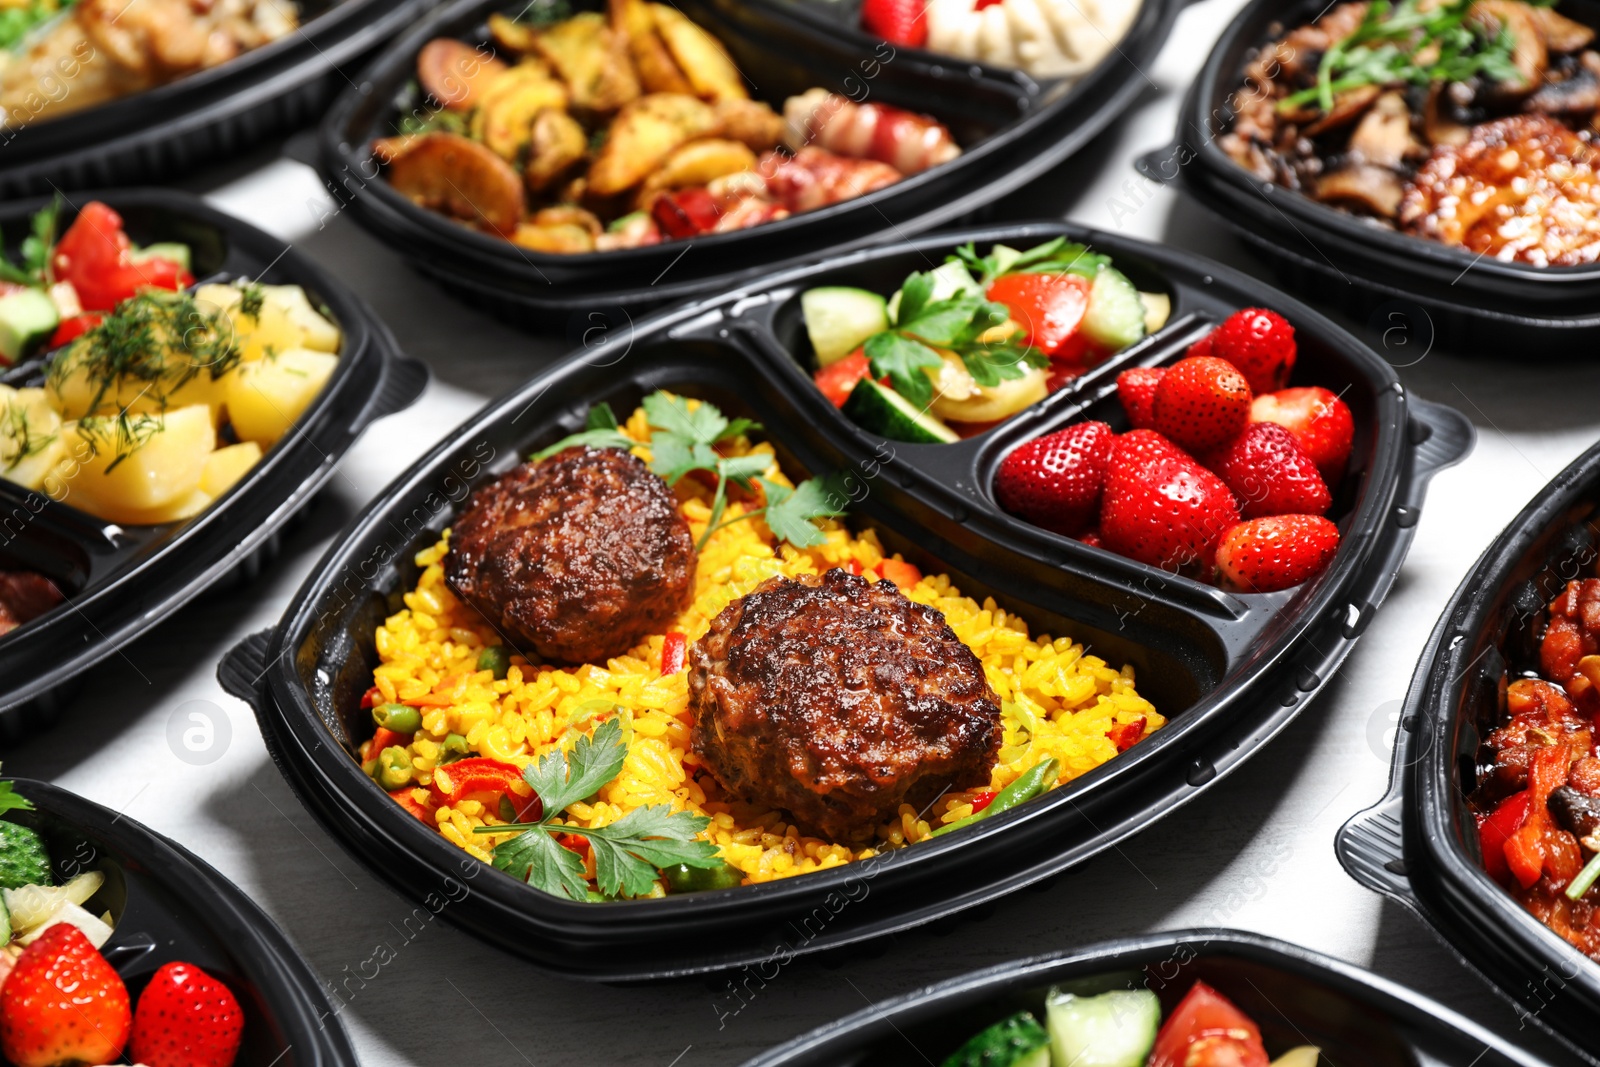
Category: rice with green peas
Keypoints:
(1057, 701)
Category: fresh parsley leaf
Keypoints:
(563, 778)
(601, 417)
(914, 296)
(704, 424)
(11, 800)
(789, 512)
(740, 469)
(673, 455)
(903, 360)
(592, 438)
(943, 322)
(629, 853)
(991, 364)
(738, 428)
(542, 862)
(1059, 256)
(34, 267)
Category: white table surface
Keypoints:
(1256, 852)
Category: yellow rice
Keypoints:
(1058, 701)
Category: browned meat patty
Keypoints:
(837, 699)
(24, 596)
(577, 557)
(1523, 189)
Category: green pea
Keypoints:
(495, 658)
(400, 718)
(1035, 781)
(452, 748)
(394, 768)
(682, 878)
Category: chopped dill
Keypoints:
(121, 434)
(19, 439)
(252, 297)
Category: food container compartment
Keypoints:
(122, 580)
(1455, 297)
(1419, 845)
(1011, 131)
(218, 112)
(1229, 671)
(170, 905)
(1296, 996)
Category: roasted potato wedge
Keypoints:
(563, 238)
(568, 215)
(658, 71)
(750, 122)
(700, 56)
(556, 146)
(455, 73)
(643, 135)
(696, 163)
(503, 119)
(591, 60)
(513, 36)
(460, 178)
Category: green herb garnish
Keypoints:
(628, 853)
(1399, 43)
(252, 298)
(19, 439)
(16, 23)
(685, 439)
(441, 121)
(34, 268)
(11, 800)
(1053, 257)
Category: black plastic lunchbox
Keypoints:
(1419, 845)
(213, 114)
(120, 581)
(1012, 128)
(1297, 997)
(1230, 671)
(1375, 275)
(169, 905)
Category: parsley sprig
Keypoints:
(684, 439)
(1059, 256)
(34, 268)
(1398, 43)
(628, 854)
(11, 800)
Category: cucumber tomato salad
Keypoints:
(1123, 1028)
(969, 344)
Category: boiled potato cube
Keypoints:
(125, 470)
(267, 396)
(285, 320)
(226, 466)
(30, 436)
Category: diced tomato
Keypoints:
(71, 329)
(854, 567)
(574, 842)
(905, 575)
(406, 800)
(454, 782)
(1495, 830)
(981, 800)
(672, 652)
(837, 379)
(686, 213)
(1206, 1030)
(1126, 734)
(94, 255)
(371, 698)
(1524, 855)
(1049, 307)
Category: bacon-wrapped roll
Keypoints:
(908, 142)
(814, 178)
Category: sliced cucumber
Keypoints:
(1116, 1029)
(948, 280)
(5, 923)
(883, 411)
(27, 318)
(23, 857)
(1018, 1041)
(1300, 1056)
(168, 250)
(1157, 310)
(840, 319)
(1115, 318)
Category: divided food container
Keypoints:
(1012, 129)
(169, 905)
(1229, 671)
(1297, 997)
(1374, 274)
(216, 113)
(1419, 845)
(119, 581)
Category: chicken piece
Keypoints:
(556, 145)
(577, 557)
(813, 178)
(837, 700)
(24, 596)
(460, 178)
(908, 142)
(592, 60)
(1522, 189)
(643, 135)
(700, 56)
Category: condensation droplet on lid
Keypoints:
(1406, 517)
(1200, 772)
(1289, 700)
(1206, 280)
(1307, 680)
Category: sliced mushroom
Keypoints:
(1375, 189)
(1347, 107)
(1383, 137)
(1560, 33)
(556, 145)
(454, 73)
(1436, 127)
(1528, 52)
(460, 178)
(1577, 94)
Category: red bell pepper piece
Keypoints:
(686, 213)
(1126, 734)
(982, 799)
(95, 255)
(672, 653)
(1495, 830)
(371, 699)
(1527, 851)
(404, 798)
(837, 380)
(1206, 1030)
(71, 329)
(1049, 307)
(854, 567)
(458, 781)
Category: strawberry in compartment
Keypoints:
(1269, 473)
(1260, 343)
(1319, 420)
(62, 1003)
(186, 1018)
(1161, 507)
(1055, 481)
(1136, 388)
(901, 22)
(1277, 552)
(1201, 402)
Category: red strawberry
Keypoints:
(1136, 388)
(1202, 402)
(62, 1003)
(1093, 539)
(186, 1018)
(1269, 473)
(901, 22)
(1161, 507)
(1276, 552)
(1055, 481)
(1201, 347)
(1319, 420)
(1260, 343)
